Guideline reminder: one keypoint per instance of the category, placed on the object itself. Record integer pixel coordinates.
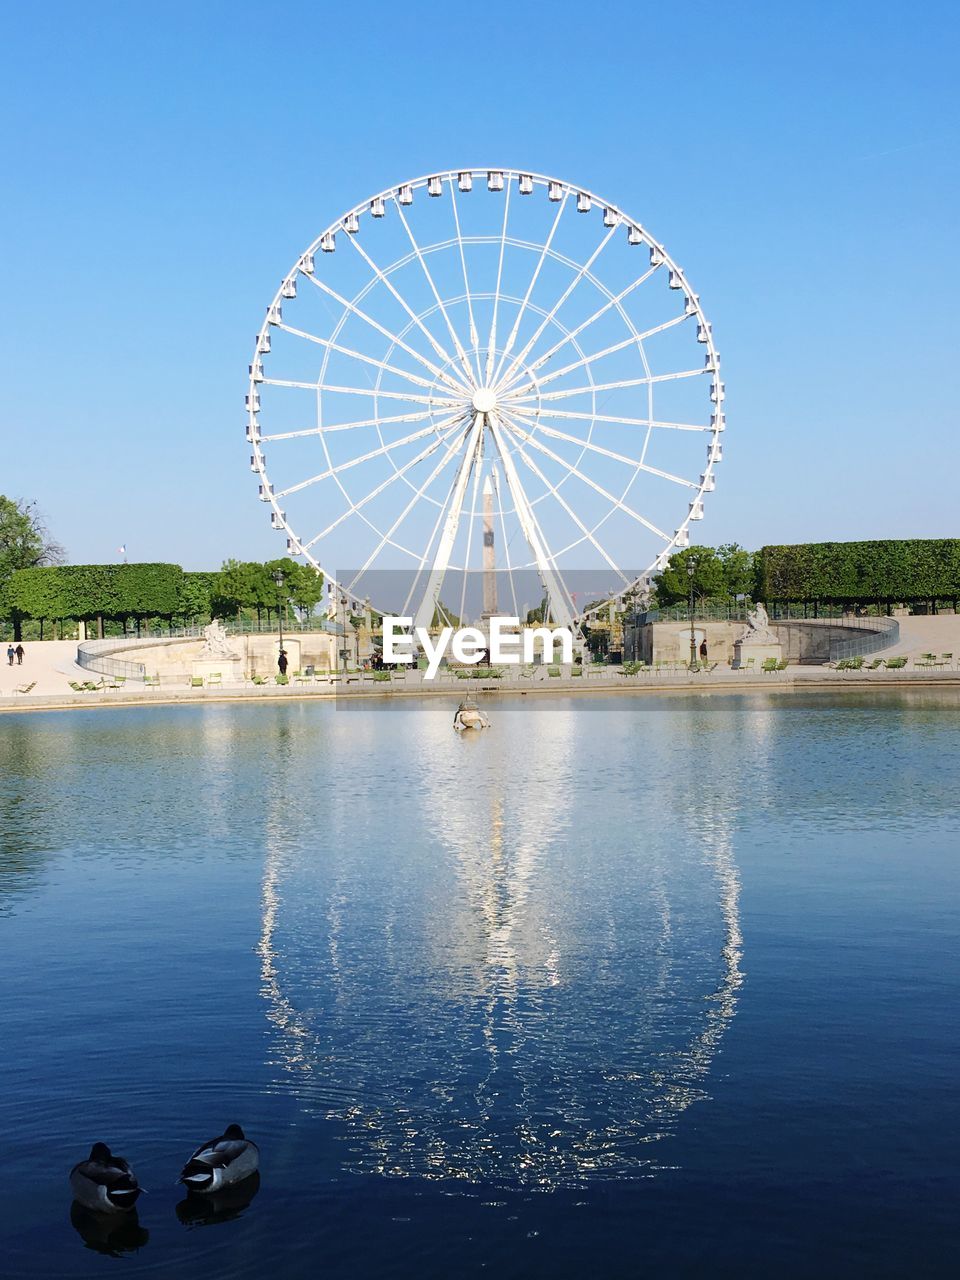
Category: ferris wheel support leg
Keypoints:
(557, 599)
(431, 595)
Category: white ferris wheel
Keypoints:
(485, 367)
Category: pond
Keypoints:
(661, 983)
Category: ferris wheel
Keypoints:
(485, 369)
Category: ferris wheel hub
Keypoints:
(484, 400)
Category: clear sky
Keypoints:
(164, 164)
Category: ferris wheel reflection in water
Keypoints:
(479, 1015)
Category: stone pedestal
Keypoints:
(759, 652)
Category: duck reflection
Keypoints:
(114, 1234)
(198, 1210)
(535, 992)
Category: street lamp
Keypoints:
(344, 647)
(278, 579)
(691, 570)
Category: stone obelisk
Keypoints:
(489, 555)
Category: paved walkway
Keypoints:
(50, 665)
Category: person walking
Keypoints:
(11, 654)
(19, 652)
(703, 649)
(282, 662)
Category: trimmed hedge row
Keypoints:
(890, 571)
(96, 590)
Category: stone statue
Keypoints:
(758, 628)
(469, 716)
(215, 642)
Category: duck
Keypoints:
(104, 1182)
(222, 1162)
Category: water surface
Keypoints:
(623, 984)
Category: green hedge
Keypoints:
(96, 590)
(885, 572)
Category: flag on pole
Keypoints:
(121, 551)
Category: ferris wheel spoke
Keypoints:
(575, 333)
(385, 280)
(369, 393)
(461, 354)
(608, 351)
(423, 416)
(356, 462)
(608, 386)
(558, 598)
(626, 422)
(356, 355)
(461, 437)
(636, 463)
(397, 475)
(519, 359)
(474, 335)
(533, 280)
(492, 340)
(575, 471)
(559, 498)
(391, 337)
(454, 506)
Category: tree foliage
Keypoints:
(739, 569)
(25, 542)
(194, 596)
(888, 572)
(709, 579)
(88, 591)
(247, 584)
(301, 586)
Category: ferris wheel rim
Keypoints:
(507, 175)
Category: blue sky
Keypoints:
(165, 164)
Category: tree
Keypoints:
(884, 572)
(194, 596)
(25, 543)
(673, 585)
(238, 586)
(37, 594)
(305, 586)
(738, 569)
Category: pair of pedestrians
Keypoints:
(17, 653)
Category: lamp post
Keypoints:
(344, 647)
(691, 570)
(278, 579)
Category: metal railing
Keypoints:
(231, 626)
(876, 633)
(92, 656)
